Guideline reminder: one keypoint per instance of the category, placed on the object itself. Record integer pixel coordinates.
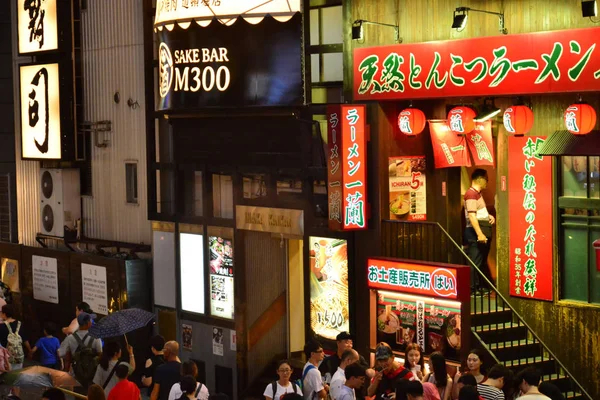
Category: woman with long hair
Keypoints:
(105, 372)
(438, 375)
(414, 360)
(188, 388)
(474, 366)
(189, 368)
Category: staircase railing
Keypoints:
(429, 241)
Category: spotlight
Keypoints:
(357, 30)
(460, 21)
(589, 8)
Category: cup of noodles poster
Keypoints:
(407, 188)
(329, 314)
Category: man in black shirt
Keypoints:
(168, 374)
(331, 363)
(157, 344)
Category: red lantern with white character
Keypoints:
(518, 120)
(411, 121)
(580, 118)
(461, 120)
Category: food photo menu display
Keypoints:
(221, 277)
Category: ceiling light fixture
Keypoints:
(461, 14)
(359, 34)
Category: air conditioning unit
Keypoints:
(60, 205)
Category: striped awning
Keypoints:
(564, 143)
(203, 12)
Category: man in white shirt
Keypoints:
(528, 380)
(355, 379)
(349, 356)
(312, 382)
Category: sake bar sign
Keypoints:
(426, 280)
(347, 167)
(530, 204)
(543, 62)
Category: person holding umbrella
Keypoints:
(109, 362)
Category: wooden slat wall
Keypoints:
(571, 330)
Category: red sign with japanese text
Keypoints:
(449, 149)
(530, 205)
(396, 276)
(541, 62)
(347, 167)
(481, 143)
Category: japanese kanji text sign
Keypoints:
(37, 25)
(481, 143)
(542, 62)
(418, 279)
(530, 205)
(347, 167)
(449, 149)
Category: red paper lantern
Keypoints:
(461, 120)
(411, 121)
(518, 120)
(580, 118)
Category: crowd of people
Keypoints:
(345, 375)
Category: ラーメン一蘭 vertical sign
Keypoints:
(530, 205)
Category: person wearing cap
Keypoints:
(330, 365)
(70, 344)
(383, 385)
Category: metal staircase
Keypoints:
(494, 323)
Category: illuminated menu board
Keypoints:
(329, 313)
(221, 277)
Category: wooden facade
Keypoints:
(570, 329)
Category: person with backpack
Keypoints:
(277, 389)
(84, 351)
(107, 367)
(312, 381)
(11, 337)
(189, 368)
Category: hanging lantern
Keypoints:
(580, 118)
(411, 121)
(461, 120)
(518, 120)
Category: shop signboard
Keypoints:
(347, 167)
(329, 311)
(45, 279)
(530, 63)
(93, 287)
(407, 176)
(37, 26)
(421, 279)
(221, 277)
(230, 66)
(274, 220)
(449, 149)
(530, 204)
(41, 136)
(481, 143)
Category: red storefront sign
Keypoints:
(541, 62)
(347, 167)
(427, 280)
(530, 205)
(481, 143)
(449, 149)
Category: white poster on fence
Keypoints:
(45, 279)
(93, 284)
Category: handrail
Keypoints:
(505, 301)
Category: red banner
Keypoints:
(541, 62)
(481, 143)
(449, 149)
(530, 205)
(347, 167)
(419, 279)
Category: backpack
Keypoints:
(15, 345)
(85, 360)
(306, 371)
(274, 388)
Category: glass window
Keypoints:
(255, 186)
(222, 196)
(191, 249)
(579, 213)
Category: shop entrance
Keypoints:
(274, 294)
